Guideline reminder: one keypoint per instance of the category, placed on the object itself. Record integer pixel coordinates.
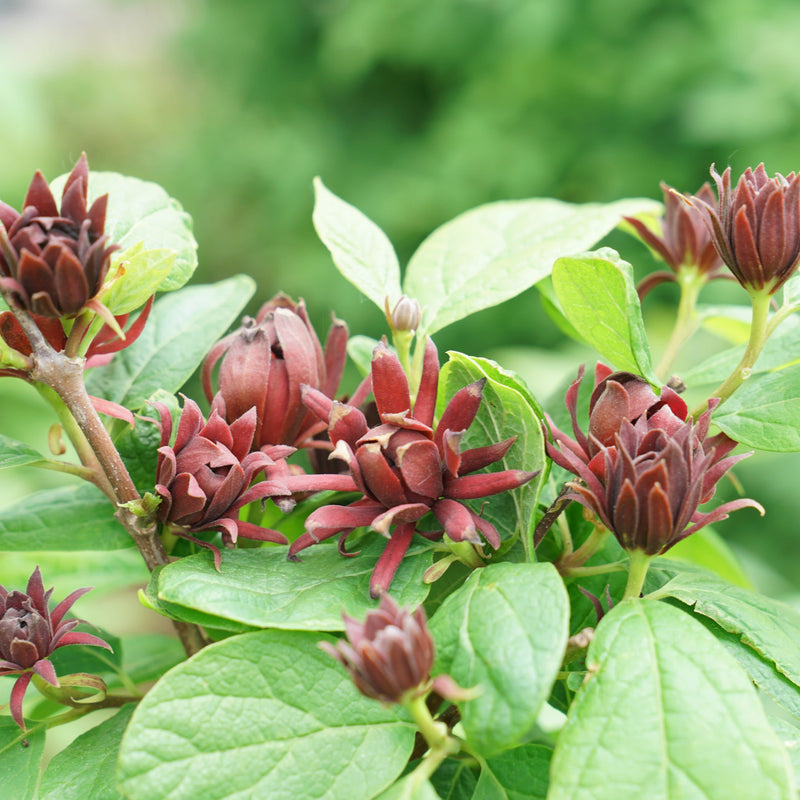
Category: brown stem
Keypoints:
(64, 375)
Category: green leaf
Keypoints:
(495, 251)
(17, 454)
(665, 714)
(262, 589)
(517, 610)
(360, 249)
(454, 780)
(267, 716)
(761, 671)
(148, 655)
(770, 627)
(507, 409)
(789, 734)
(86, 769)
(134, 276)
(598, 297)
(69, 518)
(142, 212)
(518, 774)
(764, 413)
(20, 755)
(88, 658)
(179, 333)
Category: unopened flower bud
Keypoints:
(405, 316)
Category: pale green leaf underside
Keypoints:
(495, 251)
(17, 454)
(360, 249)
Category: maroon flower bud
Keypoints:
(684, 242)
(204, 477)
(264, 365)
(617, 396)
(756, 227)
(54, 262)
(403, 468)
(646, 479)
(30, 632)
(389, 655)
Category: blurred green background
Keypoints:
(413, 111)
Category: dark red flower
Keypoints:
(684, 242)
(647, 475)
(30, 632)
(390, 655)
(265, 363)
(54, 261)
(756, 226)
(403, 468)
(204, 477)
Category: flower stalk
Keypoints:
(691, 282)
(637, 572)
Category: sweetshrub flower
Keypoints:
(204, 477)
(403, 468)
(265, 363)
(389, 656)
(684, 242)
(54, 261)
(756, 226)
(646, 479)
(30, 633)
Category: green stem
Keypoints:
(760, 328)
(637, 572)
(439, 740)
(594, 541)
(599, 569)
(691, 281)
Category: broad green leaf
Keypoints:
(764, 413)
(179, 333)
(598, 297)
(264, 715)
(504, 631)
(454, 780)
(20, 756)
(495, 251)
(87, 767)
(261, 588)
(69, 518)
(518, 774)
(789, 734)
(665, 714)
(761, 671)
(507, 409)
(17, 454)
(781, 350)
(142, 212)
(731, 323)
(770, 627)
(134, 276)
(360, 249)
